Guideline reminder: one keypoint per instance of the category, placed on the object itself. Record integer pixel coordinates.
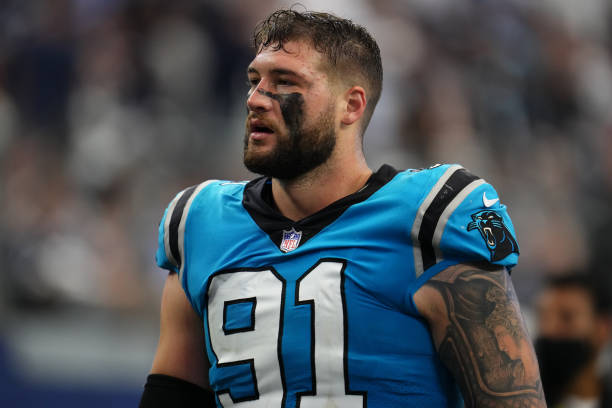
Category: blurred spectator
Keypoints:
(40, 71)
(574, 324)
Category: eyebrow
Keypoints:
(277, 71)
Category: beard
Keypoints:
(304, 149)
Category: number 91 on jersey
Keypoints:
(268, 352)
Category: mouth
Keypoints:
(489, 234)
(259, 131)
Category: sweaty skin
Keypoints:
(302, 149)
(291, 106)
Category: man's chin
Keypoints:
(269, 165)
(257, 162)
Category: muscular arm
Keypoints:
(480, 335)
(180, 351)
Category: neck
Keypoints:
(298, 198)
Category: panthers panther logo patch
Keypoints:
(496, 235)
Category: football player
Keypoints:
(323, 283)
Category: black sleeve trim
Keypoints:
(164, 391)
(448, 191)
(175, 221)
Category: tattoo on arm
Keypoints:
(484, 342)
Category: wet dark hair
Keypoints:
(351, 52)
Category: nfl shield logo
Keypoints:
(291, 240)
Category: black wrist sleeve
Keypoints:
(164, 391)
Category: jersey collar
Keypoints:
(257, 200)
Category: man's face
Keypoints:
(566, 313)
(571, 333)
(507, 343)
(290, 126)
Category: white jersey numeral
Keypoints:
(322, 287)
(249, 346)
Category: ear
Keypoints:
(355, 99)
(603, 330)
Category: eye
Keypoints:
(285, 82)
(252, 82)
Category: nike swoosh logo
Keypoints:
(487, 203)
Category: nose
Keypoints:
(550, 325)
(256, 102)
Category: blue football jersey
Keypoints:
(319, 312)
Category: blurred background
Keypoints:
(108, 108)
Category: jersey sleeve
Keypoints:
(163, 256)
(461, 220)
(170, 253)
(479, 229)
